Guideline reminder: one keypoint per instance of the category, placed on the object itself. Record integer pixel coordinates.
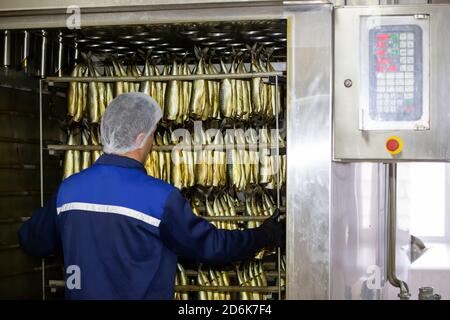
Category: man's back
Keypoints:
(108, 219)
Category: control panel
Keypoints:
(394, 77)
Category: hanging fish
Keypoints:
(199, 96)
(172, 98)
(225, 94)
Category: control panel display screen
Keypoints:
(396, 73)
(394, 79)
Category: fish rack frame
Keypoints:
(275, 77)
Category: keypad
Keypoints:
(394, 87)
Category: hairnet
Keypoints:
(128, 115)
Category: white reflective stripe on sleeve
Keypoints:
(102, 208)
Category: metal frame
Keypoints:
(308, 115)
(351, 144)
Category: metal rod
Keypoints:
(248, 75)
(236, 218)
(60, 283)
(60, 55)
(277, 156)
(26, 49)
(41, 174)
(43, 69)
(227, 288)
(182, 147)
(6, 48)
(392, 233)
(232, 273)
(77, 52)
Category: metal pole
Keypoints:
(41, 173)
(43, 53)
(277, 158)
(26, 49)
(60, 54)
(219, 76)
(392, 233)
(6, 48)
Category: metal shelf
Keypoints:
(248, 75)
(182, 147)
(186, 288)
(270, 274)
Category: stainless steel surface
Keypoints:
(126, 15)
(6, 48)
(352, 144)
(392, 235)
(358, 232)
(309, 154)
(109, 4)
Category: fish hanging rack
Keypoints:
(195, 147)
(276, 78)
(220, 76)
(189, 288)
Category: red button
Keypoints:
(392, 145)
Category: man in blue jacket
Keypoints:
(121, 229)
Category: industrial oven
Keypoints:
(354, 91)
(49, 62)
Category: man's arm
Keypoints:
(39, 235)
(196, 239)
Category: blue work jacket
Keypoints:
(121, 231)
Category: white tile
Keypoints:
(409, 89)
(410, 36)
(410, 67)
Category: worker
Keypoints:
(122, 230)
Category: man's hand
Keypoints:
(275, 230)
